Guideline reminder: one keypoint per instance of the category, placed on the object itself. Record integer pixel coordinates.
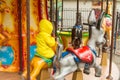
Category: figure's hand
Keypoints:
(55, 47)
(53, 35)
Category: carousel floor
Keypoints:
(10, 76)
(105, 69)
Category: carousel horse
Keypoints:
(107, 26)
(72, 59)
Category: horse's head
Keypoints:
(96, 31)
(98, 35)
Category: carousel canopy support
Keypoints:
(107, 3)
(62, 16)
(51, 10)
(20, 35)
(113, 24)
(56, 23)
(101, 5)
(28, 37)
(77, 21)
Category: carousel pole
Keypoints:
(101, 5)
(62, 16)
(56, 23)
(28, 37)
(20, 35)
(51, 10)
(115, 34)
(107, 3)
(77, 21)
(77, 75)
(113, 24)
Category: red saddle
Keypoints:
(84, 53)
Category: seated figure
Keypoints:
(44, 51)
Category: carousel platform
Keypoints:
(10, 76)
(105, 70)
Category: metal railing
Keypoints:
(69, 17)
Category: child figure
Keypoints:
(44, 52)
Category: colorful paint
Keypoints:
(9, 51)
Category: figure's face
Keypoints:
(108, 22)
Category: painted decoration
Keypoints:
(6, 55)
(9, 38)
(9, 49)
(32, 51)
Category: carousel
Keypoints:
(35, 45)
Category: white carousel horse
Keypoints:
(72, 59)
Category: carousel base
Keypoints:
(105, 71)
(10, 76)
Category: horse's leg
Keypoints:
(67, 65)
(86, 69)
(37, 64)
(98, 70)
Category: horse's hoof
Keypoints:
(98, 72)
(86, 70)
(97, 75)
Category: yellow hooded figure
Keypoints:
(45, 41)
(45, 52)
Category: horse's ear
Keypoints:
(91, 17)
(100, 20)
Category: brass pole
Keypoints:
(101, 5)
(51, 10)
(77, 21)
(113, 25)
(62, 16)
(56, 25)
(107, 6)
(20, 35)
(28, 37)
